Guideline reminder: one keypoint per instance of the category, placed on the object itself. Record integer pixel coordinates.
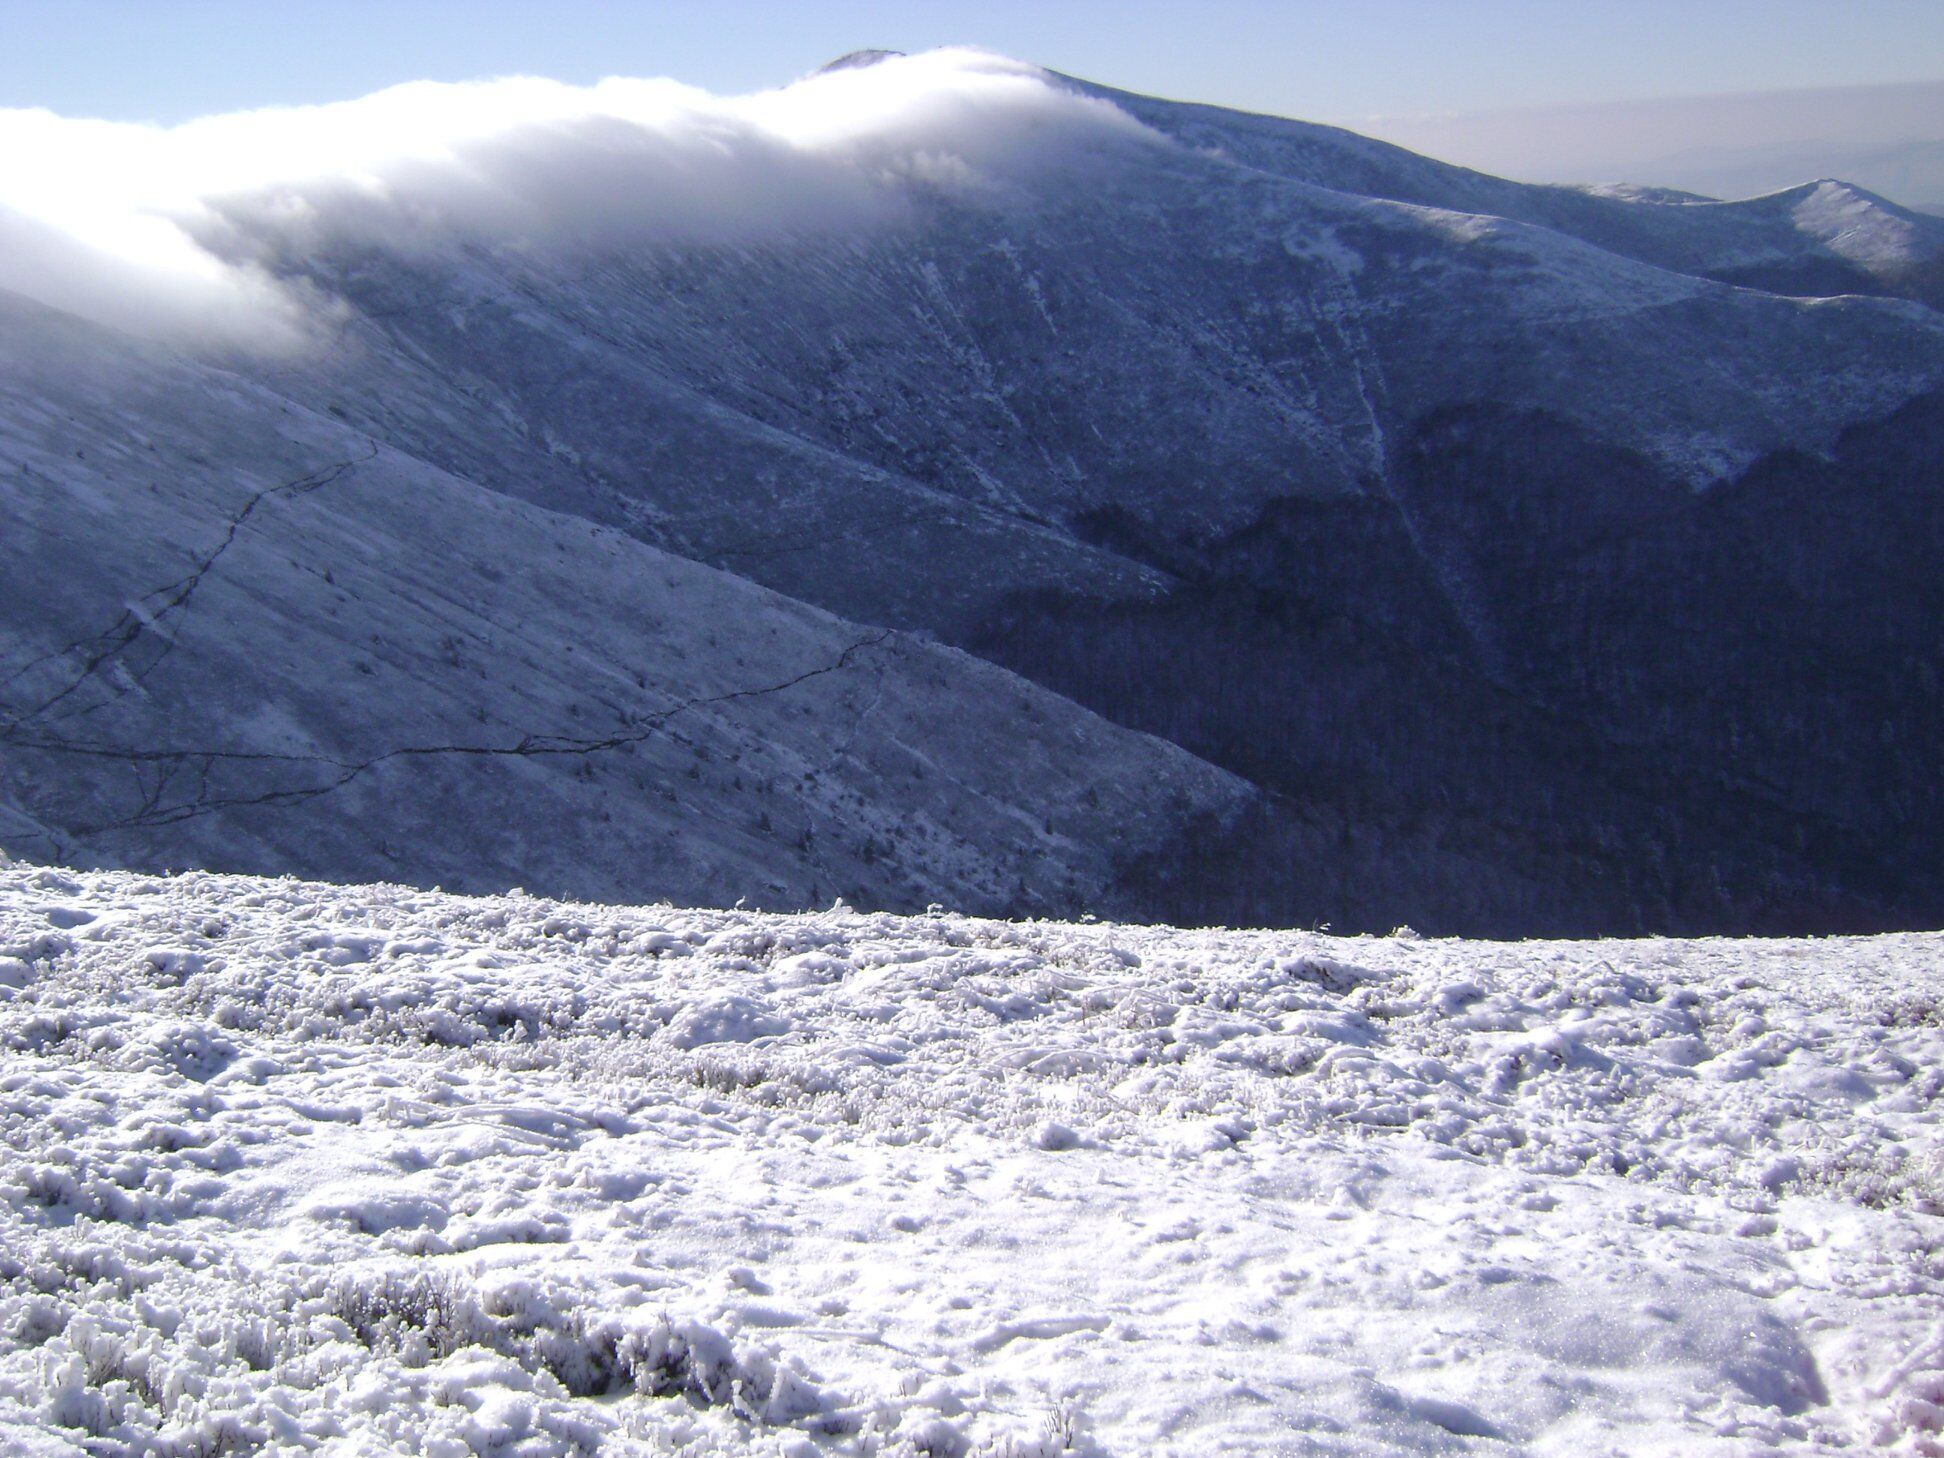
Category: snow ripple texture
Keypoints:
(292, 1167)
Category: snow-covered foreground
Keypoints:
(371, 1169)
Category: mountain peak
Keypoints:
(857, 60)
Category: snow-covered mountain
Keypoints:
(300, 1168)
(1822, 236)
(1490, 555)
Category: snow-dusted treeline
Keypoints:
(294, 1167)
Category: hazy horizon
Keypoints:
(1887, 138)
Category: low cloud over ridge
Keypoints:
(173, 231)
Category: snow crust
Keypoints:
(295, 1167)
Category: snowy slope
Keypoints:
(1821, 236)
(245, 635)
(367, 1169)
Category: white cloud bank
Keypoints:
(172, 231)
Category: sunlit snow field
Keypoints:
(370, 1169)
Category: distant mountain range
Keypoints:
(1105, 504)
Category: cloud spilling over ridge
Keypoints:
(174, 231)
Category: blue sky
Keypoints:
(167, 60)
